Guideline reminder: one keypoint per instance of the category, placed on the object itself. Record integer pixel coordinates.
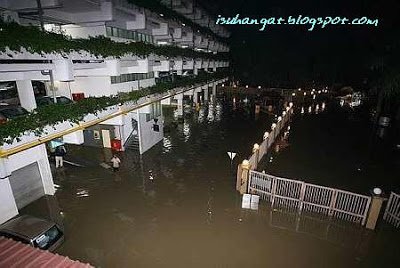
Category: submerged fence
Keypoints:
(294, 195)
(392, 212)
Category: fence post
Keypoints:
(256, 151)
(374, 210)
(243, 176)
(273, 191)
(302, 193)
(332, 203)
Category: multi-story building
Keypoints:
(26, 74)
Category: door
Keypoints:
(105, 133)
(26, 184)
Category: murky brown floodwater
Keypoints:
(190, 215)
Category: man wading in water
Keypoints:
(115, 163)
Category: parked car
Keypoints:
(8, 93)
(8, 112)
(47, 100)
(38, 233)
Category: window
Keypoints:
(140, 36)
(113, 79)
(48, 238)
(109, 31)
(130, 77)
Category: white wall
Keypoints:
(17, 161)
(148, 137)
(90, 29)
(91, 86)
(8, 207)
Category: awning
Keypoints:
(18, 255)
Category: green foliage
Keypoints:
(75, 112)
(157, 7)
(15, 37)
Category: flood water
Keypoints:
(189, 214)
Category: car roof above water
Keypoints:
(26, 226)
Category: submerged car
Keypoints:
(8, 112)
(38, 233)
(47, 100)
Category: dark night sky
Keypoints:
(289, 55)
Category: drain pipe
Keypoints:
(50, 73)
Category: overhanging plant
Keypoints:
(53, 114)
(15, 37)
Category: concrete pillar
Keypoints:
(206, 94)
(374, 211)
(74, 137)
(8, 207)
(242, 176)
(195, 71)
(180, 104)
(214, 90)
(26, 94)
(45, 171)
(63, 69)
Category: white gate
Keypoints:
(298, 195)
(392, 212)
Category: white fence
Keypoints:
(301, 196)
(392, 212)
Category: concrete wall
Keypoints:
(147, 136)
(91, 86)
(89, 135)
(15, 166)
(8, 207)
(26, 185)
(90, 29)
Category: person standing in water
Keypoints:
(115, 163)
(60, 152)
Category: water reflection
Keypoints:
(167, 145)
(186, 131)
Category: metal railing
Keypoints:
(392, 212)
(294, 195)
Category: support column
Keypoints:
(180, 104)
(26, 94)
(45, 171)
(206, 94)
(214, 90)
